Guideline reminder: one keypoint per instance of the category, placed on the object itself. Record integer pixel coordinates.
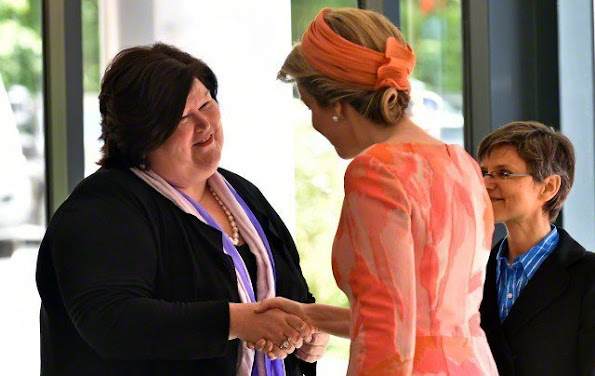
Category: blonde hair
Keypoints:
(384, 106)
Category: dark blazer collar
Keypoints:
(549, 282)
(570, 251)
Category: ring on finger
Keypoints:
(285, 344)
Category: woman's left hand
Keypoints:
(273, 350)
(309, 352)
(270, 349)
(312, 351)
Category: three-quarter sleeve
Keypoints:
(373, 256)
(104, 252)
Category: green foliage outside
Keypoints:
(20, 43)
(90, 22)
(304, 11)
(21, 48)
(436, 38)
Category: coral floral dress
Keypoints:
(410, 254)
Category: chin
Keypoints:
(498, 218)
(211, 163)
(343, 154)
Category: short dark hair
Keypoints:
(143, 95)
(545, 151)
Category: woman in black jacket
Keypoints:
(154, 264)
(538, 308)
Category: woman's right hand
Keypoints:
(274, 324)
(289, 306)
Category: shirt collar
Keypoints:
(545, 246)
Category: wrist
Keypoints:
(237, 319)
(309, 311)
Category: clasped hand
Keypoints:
(310, 347)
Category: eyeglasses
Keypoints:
(503, 174)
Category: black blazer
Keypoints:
(550, 329)
(132, 285)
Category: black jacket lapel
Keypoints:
(548, 283)
(550, 280)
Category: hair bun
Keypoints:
(392, 104)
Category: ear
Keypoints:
(339, 109)
(550, 187)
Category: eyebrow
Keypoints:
(499, 167)
(205, 93)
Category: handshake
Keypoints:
(278, 327)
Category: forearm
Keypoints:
(329, 319)
(144, 328)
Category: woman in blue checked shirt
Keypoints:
(538, 308)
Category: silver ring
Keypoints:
(285, 344)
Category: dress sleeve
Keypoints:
(375, 238)
(105, 260)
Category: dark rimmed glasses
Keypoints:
(503, 174)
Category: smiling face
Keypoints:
(515, 199)
(193, 151)
(339, 134)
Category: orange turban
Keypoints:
(348, 62)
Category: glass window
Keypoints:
(91, 81)
(433, 28)
(22, 183)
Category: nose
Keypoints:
(202, 122)
(489, 182)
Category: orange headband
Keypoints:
(348, 62)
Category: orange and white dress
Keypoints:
(410, 254)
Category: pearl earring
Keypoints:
(336, 118)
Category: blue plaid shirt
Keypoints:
(512, 279)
